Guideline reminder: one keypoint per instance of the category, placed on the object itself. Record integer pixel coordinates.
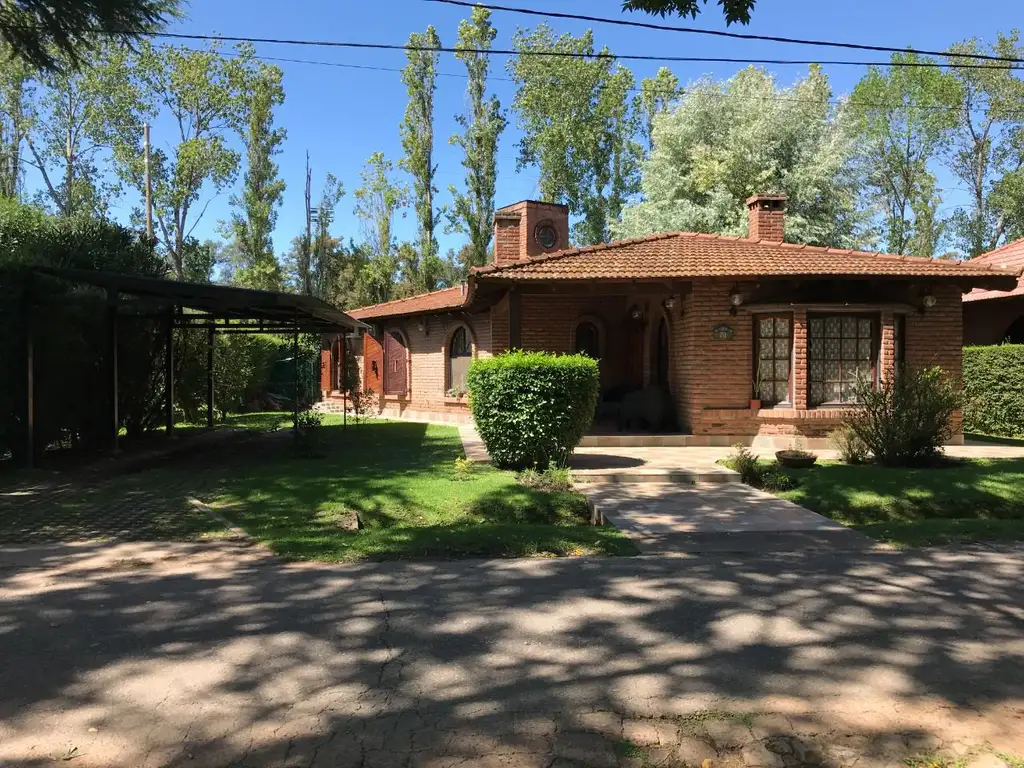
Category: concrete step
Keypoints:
(655, 476)
(641, 441)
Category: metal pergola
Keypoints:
(218, 309)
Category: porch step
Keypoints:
(655, 476)
(646, 441)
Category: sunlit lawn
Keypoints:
(966, 500)
(402, 481)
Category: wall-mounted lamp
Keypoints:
(636, 313)
(421, 326)
(929, 300)
(669, 302)
(735, 299)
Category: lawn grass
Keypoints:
(413, 502)
(962, 500)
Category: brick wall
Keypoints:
(710, 379)
(506, 237)
(714, 378)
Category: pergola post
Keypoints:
(169, 372)
(209, 376)
(112, 300)
(30, 392)
(295, 398)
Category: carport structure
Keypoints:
(217, 309)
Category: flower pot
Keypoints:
(755, 405)
(796, 459)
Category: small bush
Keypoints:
(906, 420)
(851, 449)
(774, 479)
(744, 461)
(994, 390)
(309, 428)
(463, 468)
(532, 408)
(550, 479)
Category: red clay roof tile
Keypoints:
(692, 255)
(446, 298)
(1009, 256)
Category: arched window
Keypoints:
(588, 340)
(460, 355)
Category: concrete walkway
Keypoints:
(722, 517)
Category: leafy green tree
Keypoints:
(417, 132)
(472, 212)
(734, 10)
(578, 127)
(72, 118)
(263, 189)
(15, 117)
(377, 201)
(58, 34)
(987, 148)
(657, 94)
(901, 118)
(729, 140)
(204, 95)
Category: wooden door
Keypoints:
(325, 370)
(396, 377)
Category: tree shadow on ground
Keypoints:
(240, 660)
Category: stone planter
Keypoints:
(796, 459)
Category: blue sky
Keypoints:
(342, 115)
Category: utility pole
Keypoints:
(307, 246)
(149, 187)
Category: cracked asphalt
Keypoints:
(216, 654)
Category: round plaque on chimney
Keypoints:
(546, 235)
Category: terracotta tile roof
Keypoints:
(1009, 256)
(435, 301)
(690, 255)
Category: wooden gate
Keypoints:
(396, 375)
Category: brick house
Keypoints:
(992, 316)
(710, 324)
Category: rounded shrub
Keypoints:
(532, 408)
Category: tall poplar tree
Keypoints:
(657, 94)
(472, 212)
(578, 127)
(417, 132)
(378, 199)
(253, 224)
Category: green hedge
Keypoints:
(994, 390)
(532, 408)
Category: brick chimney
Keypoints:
(529, 228)
(766, 217)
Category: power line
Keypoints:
(682, 92)
(564, 54)
(719, 33)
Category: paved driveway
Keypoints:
(216, 655)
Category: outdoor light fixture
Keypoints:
(929, 300)
(635, 313)
(422, 326)
(735, 297)
(669, 302)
